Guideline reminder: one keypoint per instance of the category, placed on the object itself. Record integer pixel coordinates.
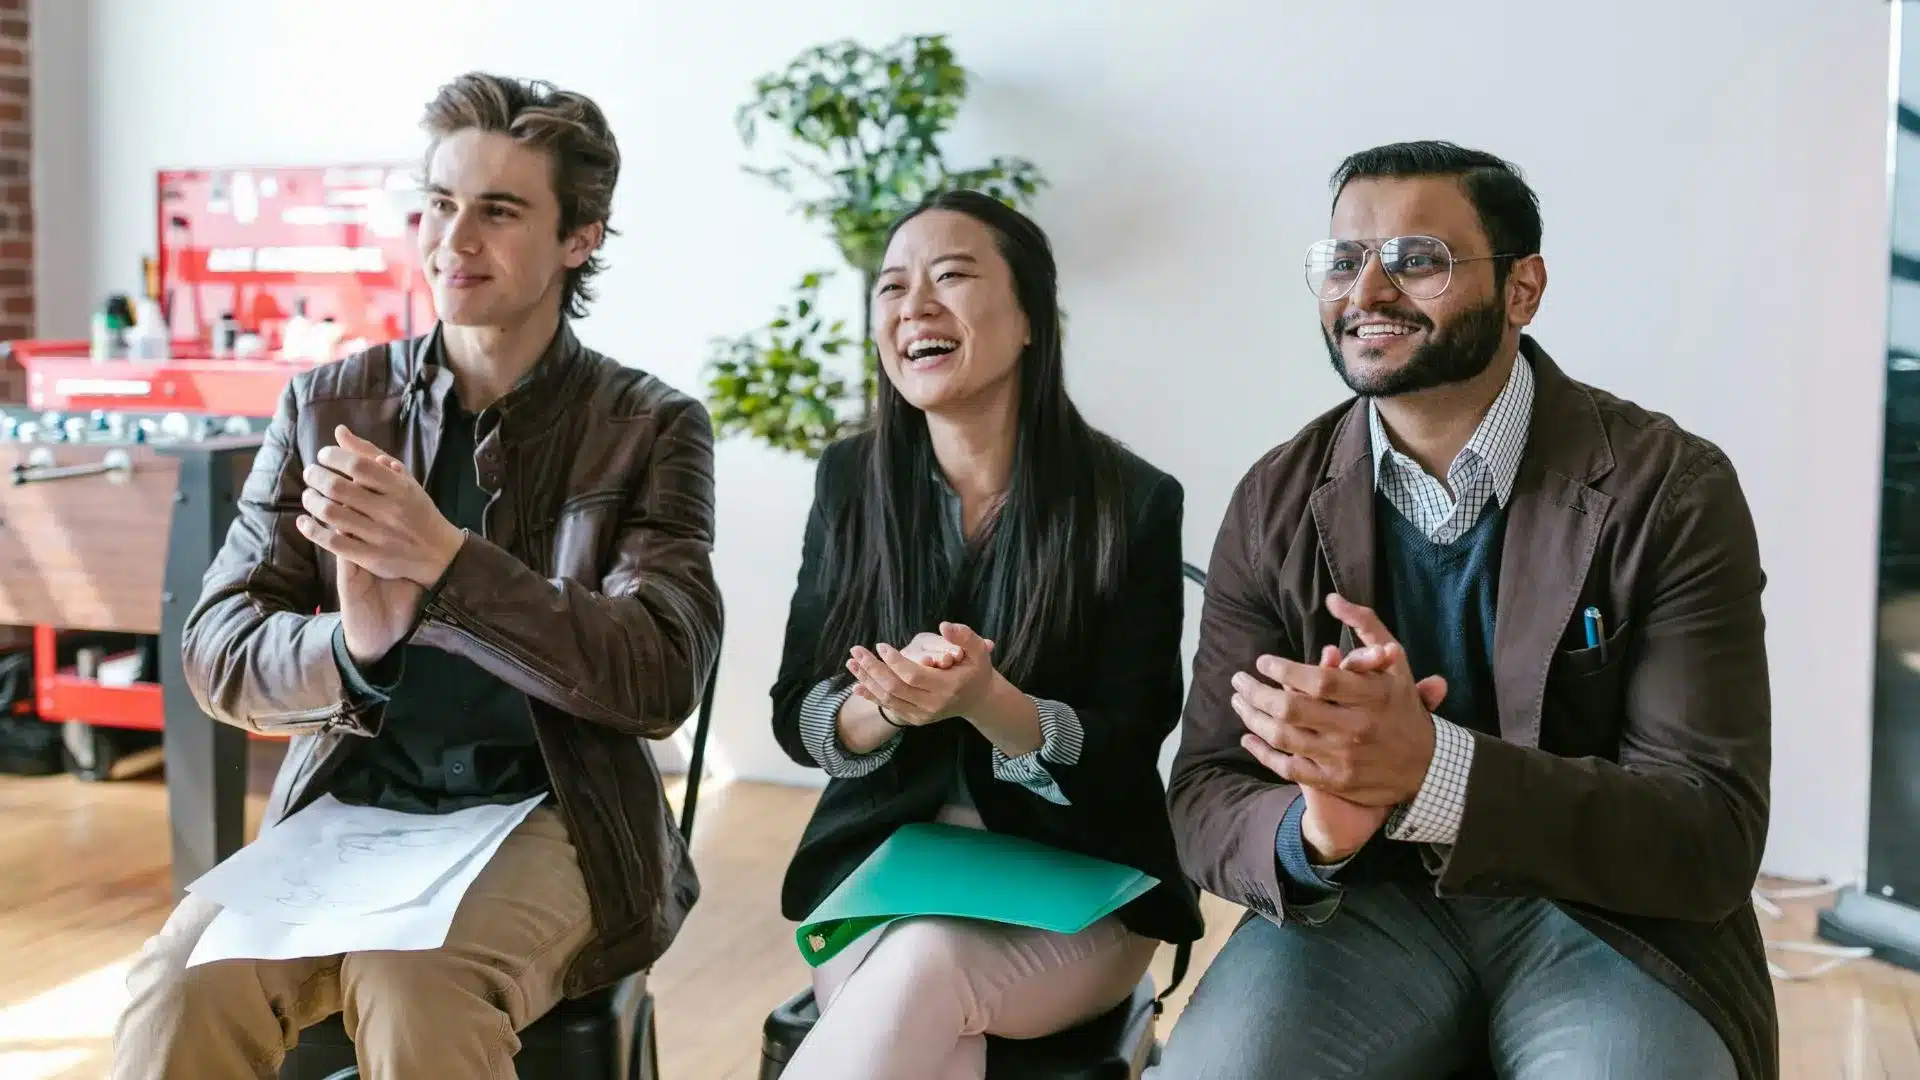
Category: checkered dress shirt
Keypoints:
(1485, 468)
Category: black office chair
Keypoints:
(607, 1035)
(1117, 1045)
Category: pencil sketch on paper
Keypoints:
(363, 848)
(309, 886)
(354, 846)
(333, 860)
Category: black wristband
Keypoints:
(888, 719)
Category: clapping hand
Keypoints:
(1323, 727)
(1334, 828)
(935, 677)
(364, 510)
(1363, 730)
(376, 613)
(934, 651)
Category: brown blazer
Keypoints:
(1632, 791)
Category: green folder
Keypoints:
(933, 868)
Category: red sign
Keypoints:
(257, 242)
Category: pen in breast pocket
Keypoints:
(1596, 632)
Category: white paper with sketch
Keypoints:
(333, 860)
(421, 923)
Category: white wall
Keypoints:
(63, 177)
(1712, 174)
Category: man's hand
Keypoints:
(375, 613)
(1363, 731)
(1334, 828)
(915, 693)
(368, 512)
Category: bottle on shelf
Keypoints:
(226, 333)
(296, 337)
(326, 340)
(149, 339)
(109, 337)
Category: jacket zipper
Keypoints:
(306, 717)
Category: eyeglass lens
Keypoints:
(1418, 266)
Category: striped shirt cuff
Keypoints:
(1433, 817)
(1061, 739)
(820, 733)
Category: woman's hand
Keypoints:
(953, 677)
(934, 651)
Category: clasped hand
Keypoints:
(935, 677)
(1355, 732)
(390, 542)
(362, 506)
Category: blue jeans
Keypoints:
(1401, 985)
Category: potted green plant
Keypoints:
(865, 126)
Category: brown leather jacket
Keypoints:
(1629, 782)
(591, 591)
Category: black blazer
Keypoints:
(1128, 700)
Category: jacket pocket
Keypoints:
(1586, 698)
(1579, 663)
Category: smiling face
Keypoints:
(1385, 343)
(949, 327)
(490, 235)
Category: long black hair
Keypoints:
(1035, 578)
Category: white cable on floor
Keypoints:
(1797, 892)
(1837, 955)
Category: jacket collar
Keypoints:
(1565, 435)
(1496, 444)
(1553, 527)
(531, 404)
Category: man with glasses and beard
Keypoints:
(1479, 723)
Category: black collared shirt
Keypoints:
(453, 735)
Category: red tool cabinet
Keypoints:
(87, 517)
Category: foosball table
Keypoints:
(107, 523)
(120, 474)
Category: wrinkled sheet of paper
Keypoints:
(331, 895)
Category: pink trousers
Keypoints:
(916, 1000)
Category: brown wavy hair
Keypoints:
(568, 127)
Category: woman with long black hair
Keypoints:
(985, 632)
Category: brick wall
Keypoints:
(16, 191)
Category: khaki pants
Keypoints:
(451, 1011)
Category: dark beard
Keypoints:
(1458, 352)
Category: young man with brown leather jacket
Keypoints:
(507, 537)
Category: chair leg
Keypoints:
(646, 1049)
(653, 1046)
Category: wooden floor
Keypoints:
(84, 879)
